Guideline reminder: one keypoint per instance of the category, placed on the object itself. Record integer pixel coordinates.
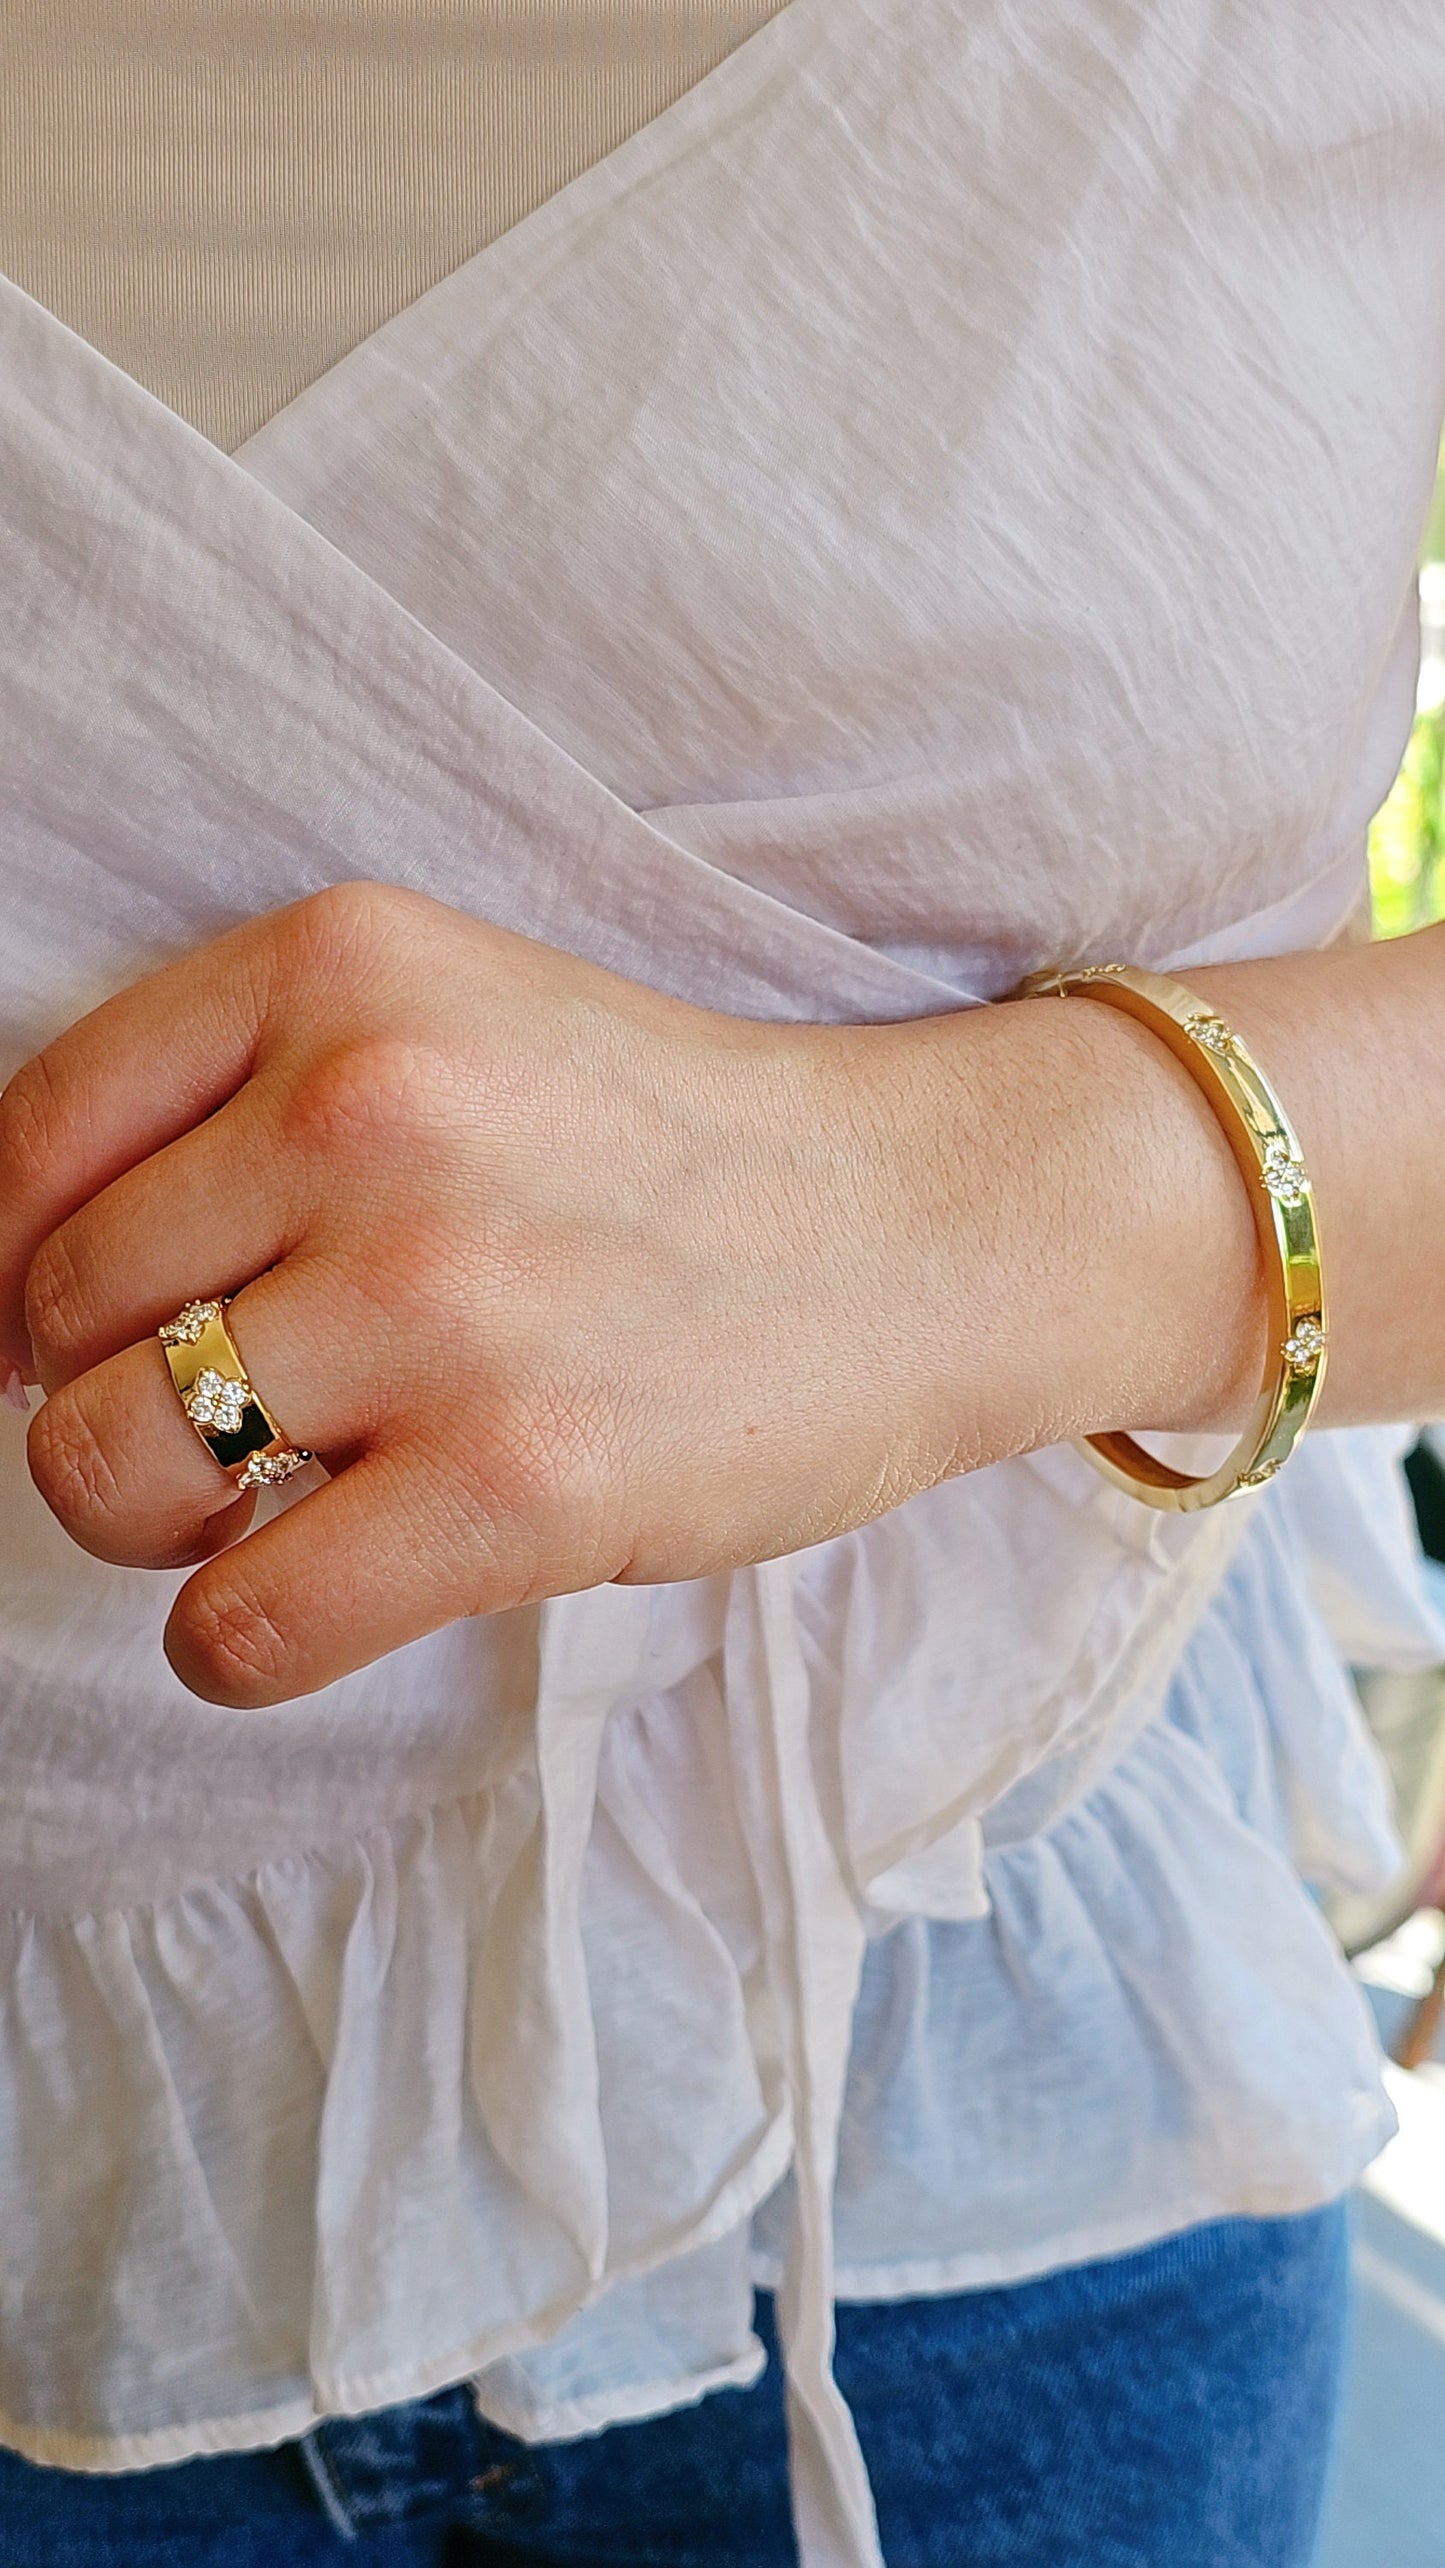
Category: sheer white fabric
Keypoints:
(942, 497)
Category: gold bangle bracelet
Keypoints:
(1263, 1142)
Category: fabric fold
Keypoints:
(813, 1940)
(533, 2043)
(361, 2232)
(369, 749)
(812, 637)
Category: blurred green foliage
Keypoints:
(1407, 841)
(1434, 546)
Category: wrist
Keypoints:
(1350, 1033)
(1074, 1243)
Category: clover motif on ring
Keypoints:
(216, 1402)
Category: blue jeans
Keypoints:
(1169, 2409)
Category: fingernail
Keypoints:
(12, 1384)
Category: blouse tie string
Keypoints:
(813, 1943)
(534, 2050)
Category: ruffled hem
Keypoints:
(55, 2449)
(288, 2148)
(1148, 2024)
(931, 2277)
(260, 2143)
(486, 2359)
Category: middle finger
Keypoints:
(198, 1218)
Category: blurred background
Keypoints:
(1388, 2504)
(1407, 843)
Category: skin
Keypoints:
(565, 1281)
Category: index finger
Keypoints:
(117, 1086)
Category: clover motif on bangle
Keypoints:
(1305, 1344)
(1284, 1174)
(1210, 1031)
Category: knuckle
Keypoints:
(230, 1645)
(343, 925)
(547, 1492)
(31, 1124)
(69, 1466)
(54, 1316)
(356, 1093)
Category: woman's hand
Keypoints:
(563, 1281)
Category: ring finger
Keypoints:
(117, 1460)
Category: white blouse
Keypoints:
(1018, 564)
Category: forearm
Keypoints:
(1079, 1235)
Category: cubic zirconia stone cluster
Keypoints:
(216, 1402)
(1211, 1032)
(187, 1326)
(1305, 1345)
(264, 1470)
(1283, 1173)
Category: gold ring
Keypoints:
(220, 1400)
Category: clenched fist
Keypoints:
(562, 1281)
